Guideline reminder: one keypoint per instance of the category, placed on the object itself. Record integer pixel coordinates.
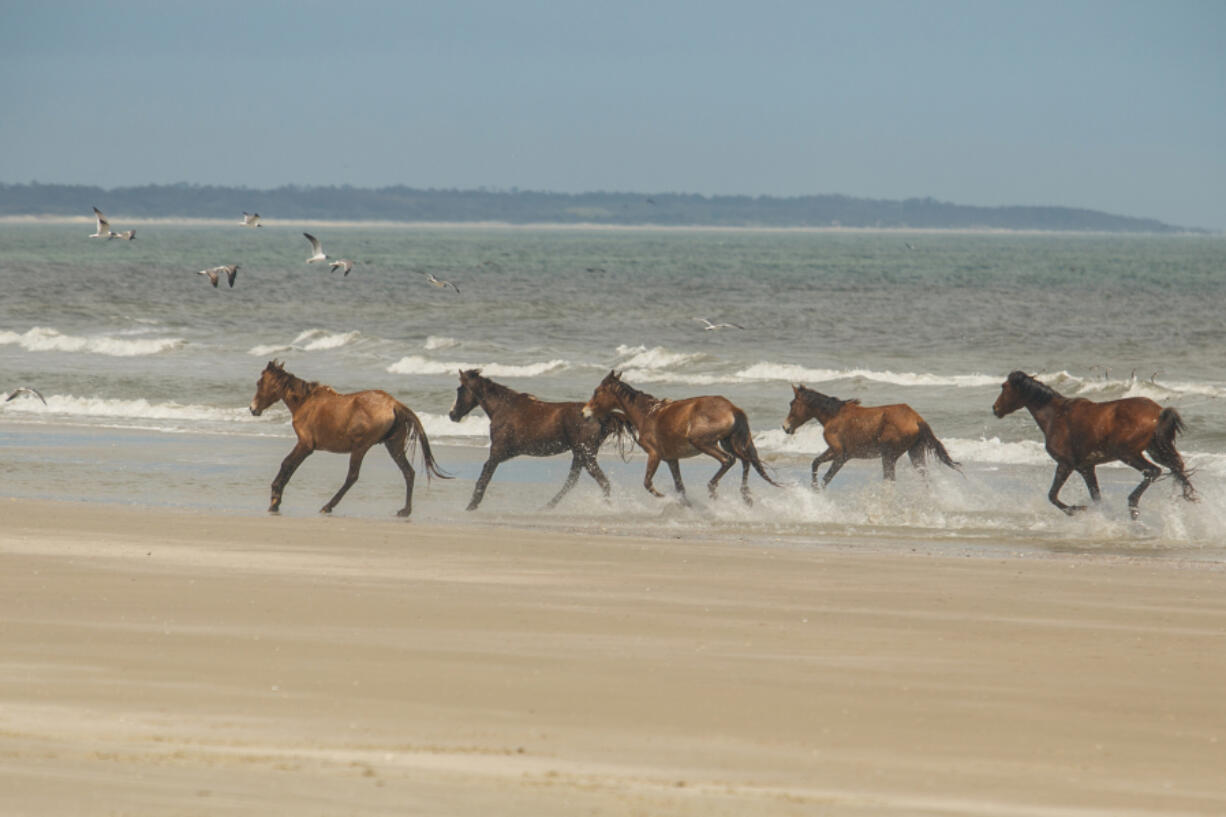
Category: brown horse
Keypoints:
(522, 424)
(853, 431)
(671, 429)
(1082, 434)
(343, 424)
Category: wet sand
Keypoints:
(158, 662)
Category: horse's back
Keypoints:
(1108, 429)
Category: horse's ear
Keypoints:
(796, 389)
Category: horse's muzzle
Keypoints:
(586, 412)
(255, 409)
(788, 429)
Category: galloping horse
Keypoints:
(522, 424)
(671, 429)
(853, 431)
(1082, 434)
(343, 424)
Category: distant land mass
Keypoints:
(515, 206)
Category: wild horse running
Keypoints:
(853, 431)
(1082, 434)
(343, 424)
(522, 424)
(669, 430)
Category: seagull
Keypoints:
(440, 284)
(20, 390)
(215, 273)
(319, 251)
(711, 327)
(341, 264)
(126, 235)
(251, 219)
(104, 227)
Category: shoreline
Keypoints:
(166, 661)
(185, 221)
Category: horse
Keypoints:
(853, 431)
(669, 430)
(1081, 434)
(343, 424)
(522, 424)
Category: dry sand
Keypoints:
(165, 663)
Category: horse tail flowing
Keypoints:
(619, 424)
(740, 442)
(1162, 449)
(930, 443)
(415, 432)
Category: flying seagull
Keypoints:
(319, 251)
(341, 264)
(440, 284)
(251, 219)
(20, 390)
(104, 229)
(711, 327)
(215, 273)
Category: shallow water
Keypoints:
(148, 370)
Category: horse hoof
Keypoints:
(403, 512)
(325, 510)
(1072, 510)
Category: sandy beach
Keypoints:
(158, 662)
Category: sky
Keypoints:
(1113, 106)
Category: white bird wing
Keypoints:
(212, 273)
(20, 390)
(104, 226)
(319, 251)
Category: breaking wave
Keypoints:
(45, 339)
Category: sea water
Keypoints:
(148, 370)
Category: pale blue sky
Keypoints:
(1115, 106)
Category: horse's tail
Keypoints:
(1162, 449)
(930, 442)
(740, 442)
(415, 432)
(618, 423)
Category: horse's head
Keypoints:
(604, 398)
(269, 388)
(1012, 394)
(798, 411)
(465, 395)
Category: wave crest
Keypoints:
(416, 364)
(46, 339)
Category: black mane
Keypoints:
(824, 403)
(490, 387)
(624, 390)
(1032, 390)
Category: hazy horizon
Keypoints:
(1113, 107)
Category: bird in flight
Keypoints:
(341, 264)
(20, 390)
(104, 229)
(251, 219)
(215, 273)
(711, 327)
(319, 251)
(440, 284)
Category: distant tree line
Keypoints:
(516, 206)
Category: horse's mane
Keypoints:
(825, 403)
(493, 388)
(625, 390)
(1032, 390)
(291, 382)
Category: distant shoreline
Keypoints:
(183, 221)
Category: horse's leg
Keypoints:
(919, 460)
(288, 466)
(888, 458)
(1091, 480)
(839, 462)
(576, 463)
(825, 456)
(1150, 472)
(396, 449)
(745, 482)
(593, 468)
(675, 467)
(653, 462)
(351, 476)
(1063, 470)
(487, 473)
(726, 460)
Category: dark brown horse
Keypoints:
(853, 431)
(343, 424)
(522, 424)
(669, 430)
(1082, 434)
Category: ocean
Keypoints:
(148, 370)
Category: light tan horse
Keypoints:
(670, 430)
(343, 424)
(1081, 434)
(853, 431)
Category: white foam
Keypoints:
(436, 342)
(641, 358)
(311, 340)
(765, 370)
(416, 364)
(45, 339)
(68, 405)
